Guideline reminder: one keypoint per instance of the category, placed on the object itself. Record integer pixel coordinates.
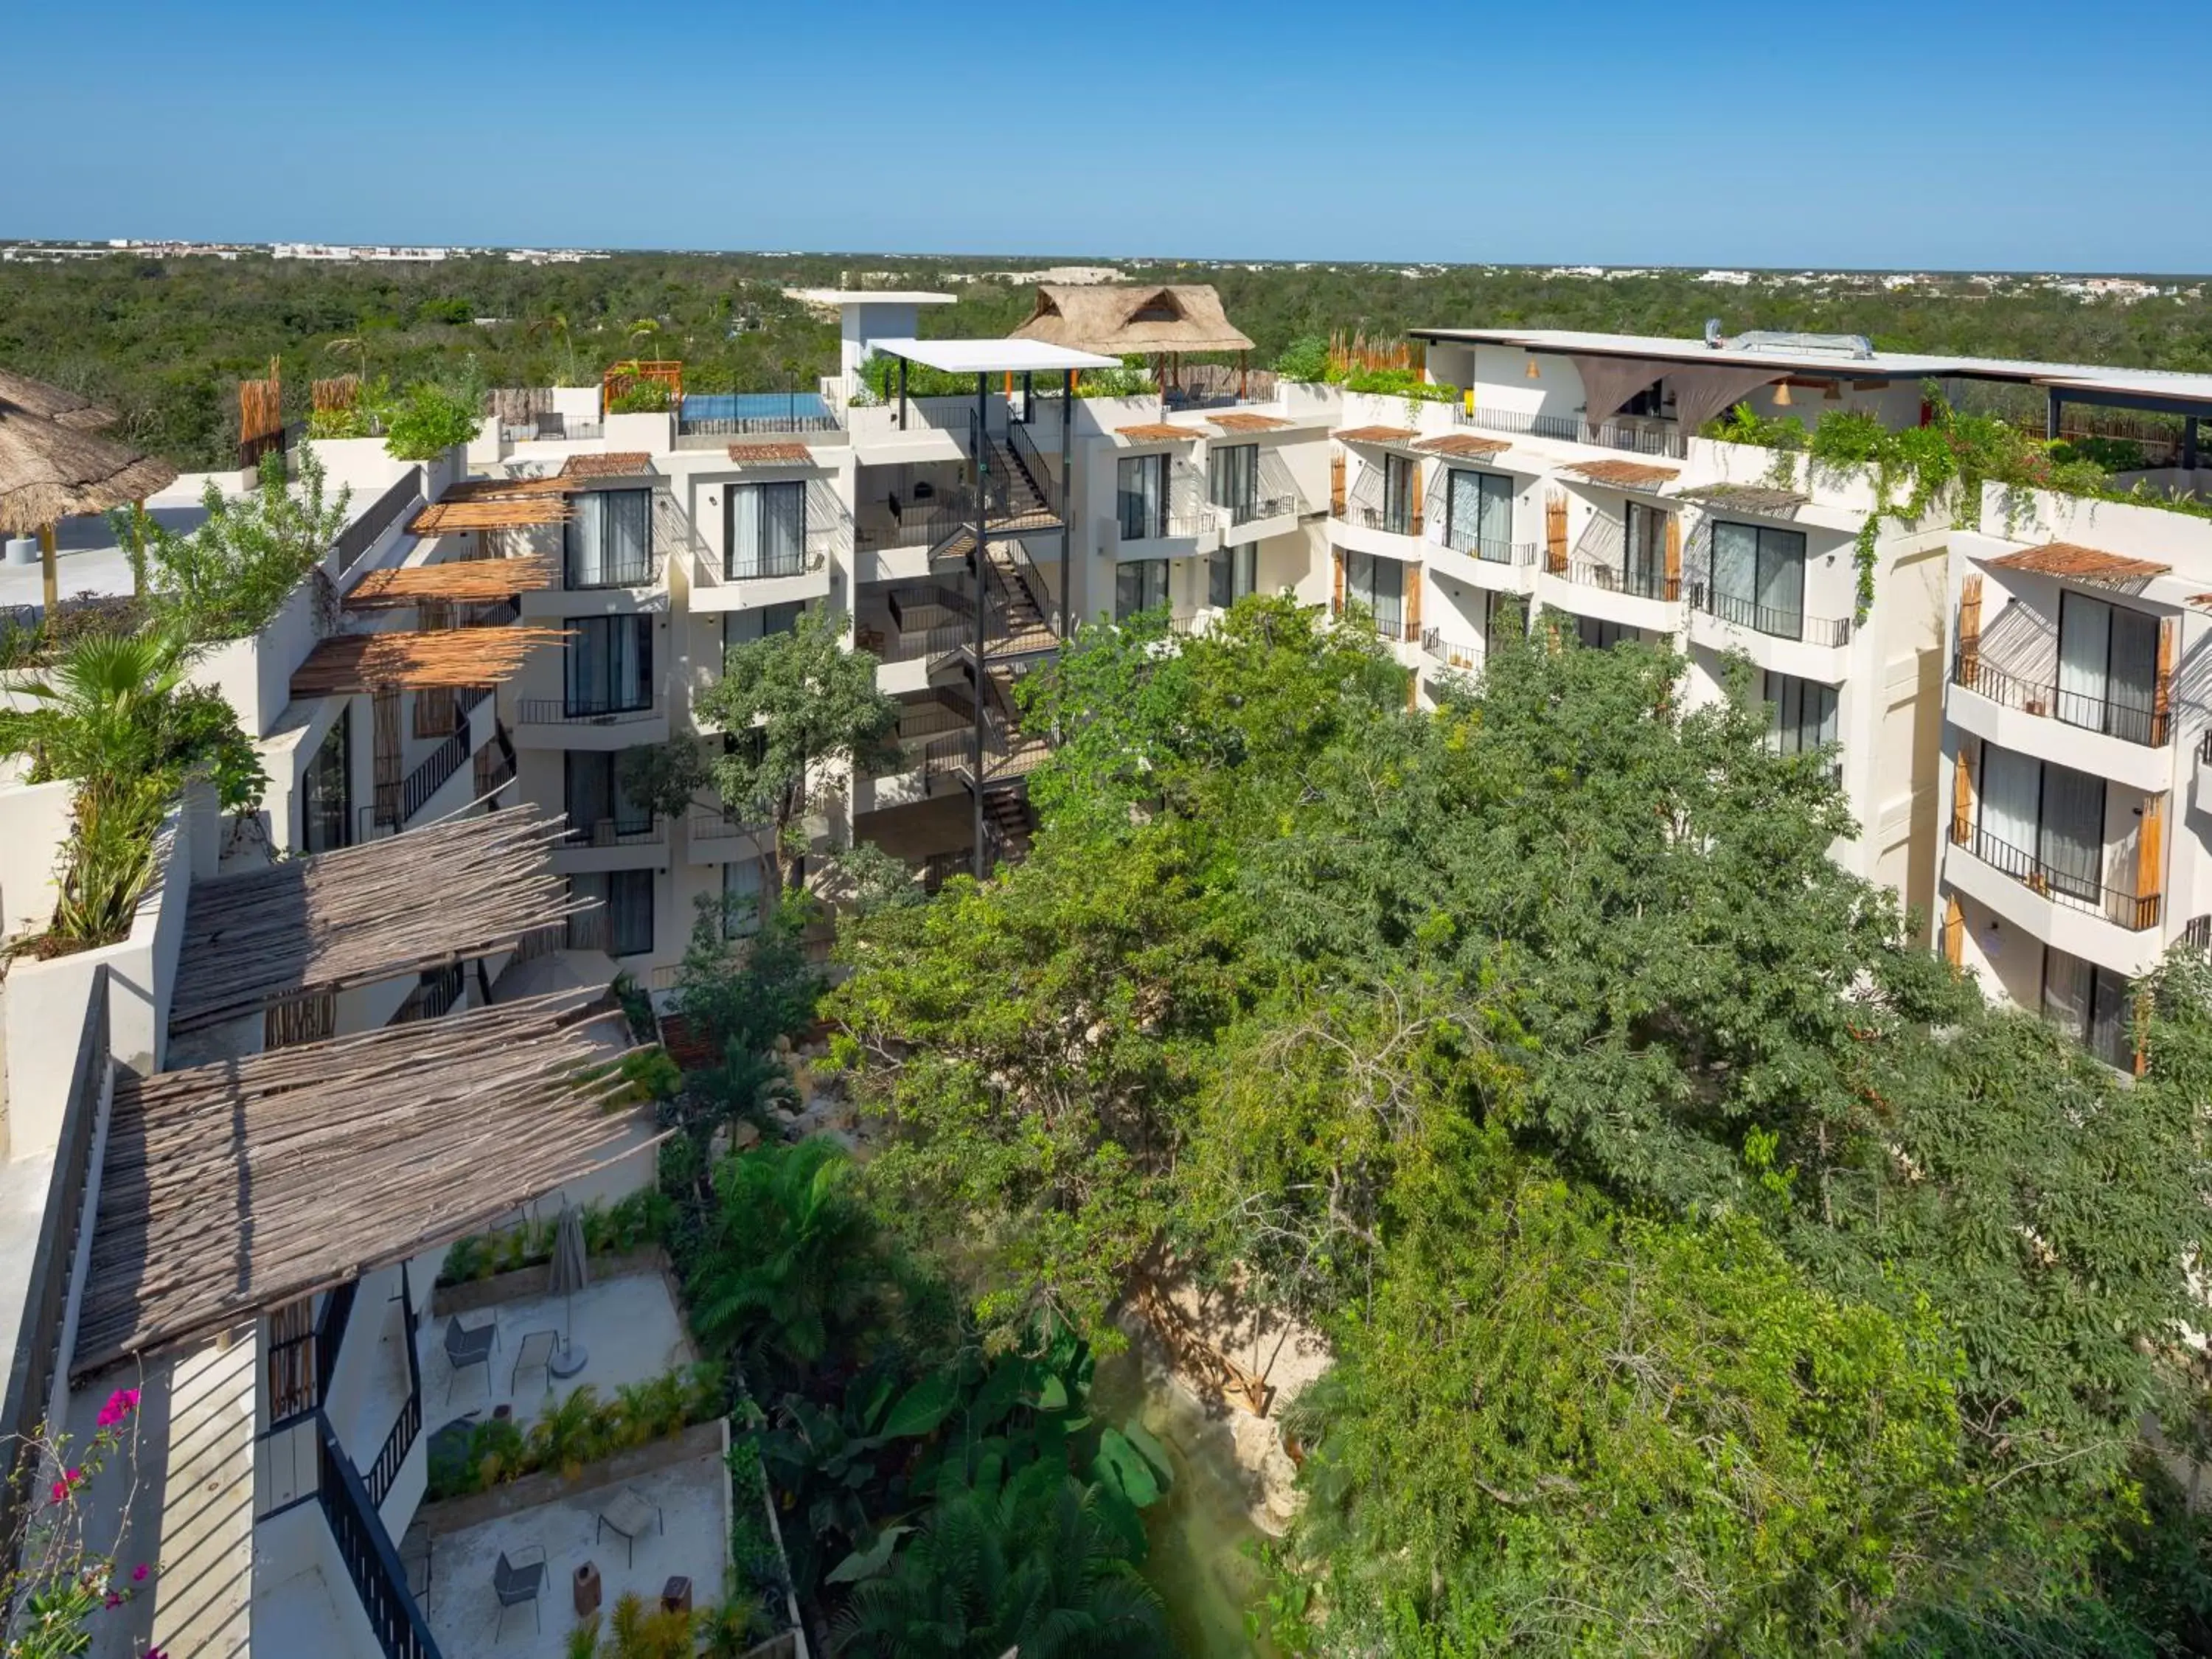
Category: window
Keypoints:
(608, 665)
(326, 791)
(622, 926)
(767, 532)
(1604, 635)
(1231, 574)
(2089, 1004)
(741, 891)
(1400, 478)
(1232, 480)
(1479, 514)
(2042, 823)
(1655, 401)
(1504, 618)
(1804, 714)
(1141, 483)
(1759, 577)
(1643, 551)
(1139, 585)
(743, 626)
(2107, 666)
(599, 810)
(1380, 585)
(608, 540)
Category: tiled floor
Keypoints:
(628, 1329)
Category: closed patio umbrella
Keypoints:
(50, 471)
(571, 1274)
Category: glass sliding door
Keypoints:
(607, 664)
(622, 925)
(1643, 551)
(1139, 585)
(600, 810)
(1804, 714)
(1232, 480)
(2107, 666)
(1141, 493)
(1380, 585)
(1402, 477)
(1759, 577)
(608, 539)
(1479, 515)
(2071, 841)
(1231, 574)
(2090, 1004)
(767, 532)
(326, 789)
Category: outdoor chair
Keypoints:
(536, 1354)
(550, 425)
(627, 1516)
(465, 1347)
(517, 1581)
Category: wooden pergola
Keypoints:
(249, 1183)
(459, 581)
(423, 899)
(452, 518)
(350, 664)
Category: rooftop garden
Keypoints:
(1954, 454)
(1380, 370)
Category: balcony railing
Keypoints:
(1782, 624)
(434, 994)
(392, 1454)
(557, 711)
(1637, 436)
(1462, 654)
(2132, 721)
(614, 832)
(1397, 520)
(1488, 549)
(2075, 888)
(366, 1549)
(356, 540)
(1250, 509)
(742, 413)
(709, 825)
(632, 569)
(1646, 583)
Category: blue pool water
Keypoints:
(753, 406)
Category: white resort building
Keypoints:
(239, 1143)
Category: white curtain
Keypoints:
(2085, 637)
(783, 547)
(2134, 674)
(2066, 985)
(587, 540)
(745, 532)
(628, 534)
(1736, 562)
(2073, 839)
(1781, 583)
(1642, 557)
(1143, 489)
(2010, 784)
(741, 886)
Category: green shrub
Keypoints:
(640, 398)
(1399, 383)
(429, 419)
(1305, 358)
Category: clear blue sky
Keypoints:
(1878, 134)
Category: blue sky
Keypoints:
(1878, 134)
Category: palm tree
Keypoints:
(96, 715)
(1029, 1567)
(790, 1254)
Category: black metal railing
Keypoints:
(38, 1354)
(613, 832)
(1250, 509)
(1032, 464)
(2133, 720)
(737, 415)
(1642, 583)
(760, 564)
(366, 1549)
(434, 993)
(1489, 550)
(392, 1454)
(1398, 520)
(1781, 623)
(1637, 436)
(2077, 889)
(355, 541)
(561, 711)
(1452, 653)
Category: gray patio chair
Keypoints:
(465, 1347)
(550, 425)
(518, 1581)
(536, 1354)
(628, 1515)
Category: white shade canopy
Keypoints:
(994, 356)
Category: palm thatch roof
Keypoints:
(1154, 317)
(252, 1183)
(52, 403)
(49, 471)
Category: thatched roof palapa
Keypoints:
(50, 470)
(1178, 317)
(348, 664)
(249, 1183)
(52, 403)
(456, 581)
(421, 899)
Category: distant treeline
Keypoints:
(165, 342)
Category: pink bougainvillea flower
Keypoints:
(113, 1600)
(138, 1573)
(120, 1405)
(61, 1490)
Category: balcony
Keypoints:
(716, 837)
(1784, 640)
(560, 723)
(1636, 435)
(1460, 656)
(609, 844)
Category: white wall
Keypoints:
(35, 822)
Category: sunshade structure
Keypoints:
(1768, 499)
(770, 454)
(1624, 475)
(348, 664)
(452, 518)
(1168, 317)
(52, 403)
(615, 463)
(1158, 431)
(459, 581)
(49, 470)
(423, 899)
(2073, 562)
(250, 1184)
(1244, 421)
(1387, 436)
(1467, 447)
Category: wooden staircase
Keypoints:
(1011, 823)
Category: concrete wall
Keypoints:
(34, 824)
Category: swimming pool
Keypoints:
(755, 411)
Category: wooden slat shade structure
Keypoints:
(348, 664)
(460, 581)
(248, 1183)
(1244, 421)
(1158, 431)
(1464, 446)
(1624, 475)
(423, 899)
(615, 463)
(1745, 498)
(503, 490)
(452, 518)
(1962, 797)
(1954, 931)
(2077, 564)
(1377, 434)
(776, 453)
(1970, 630)
(1555, 532)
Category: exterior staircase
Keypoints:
(1009, 825)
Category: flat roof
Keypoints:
(1882, 365)
(992, 356)
(872, 296)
